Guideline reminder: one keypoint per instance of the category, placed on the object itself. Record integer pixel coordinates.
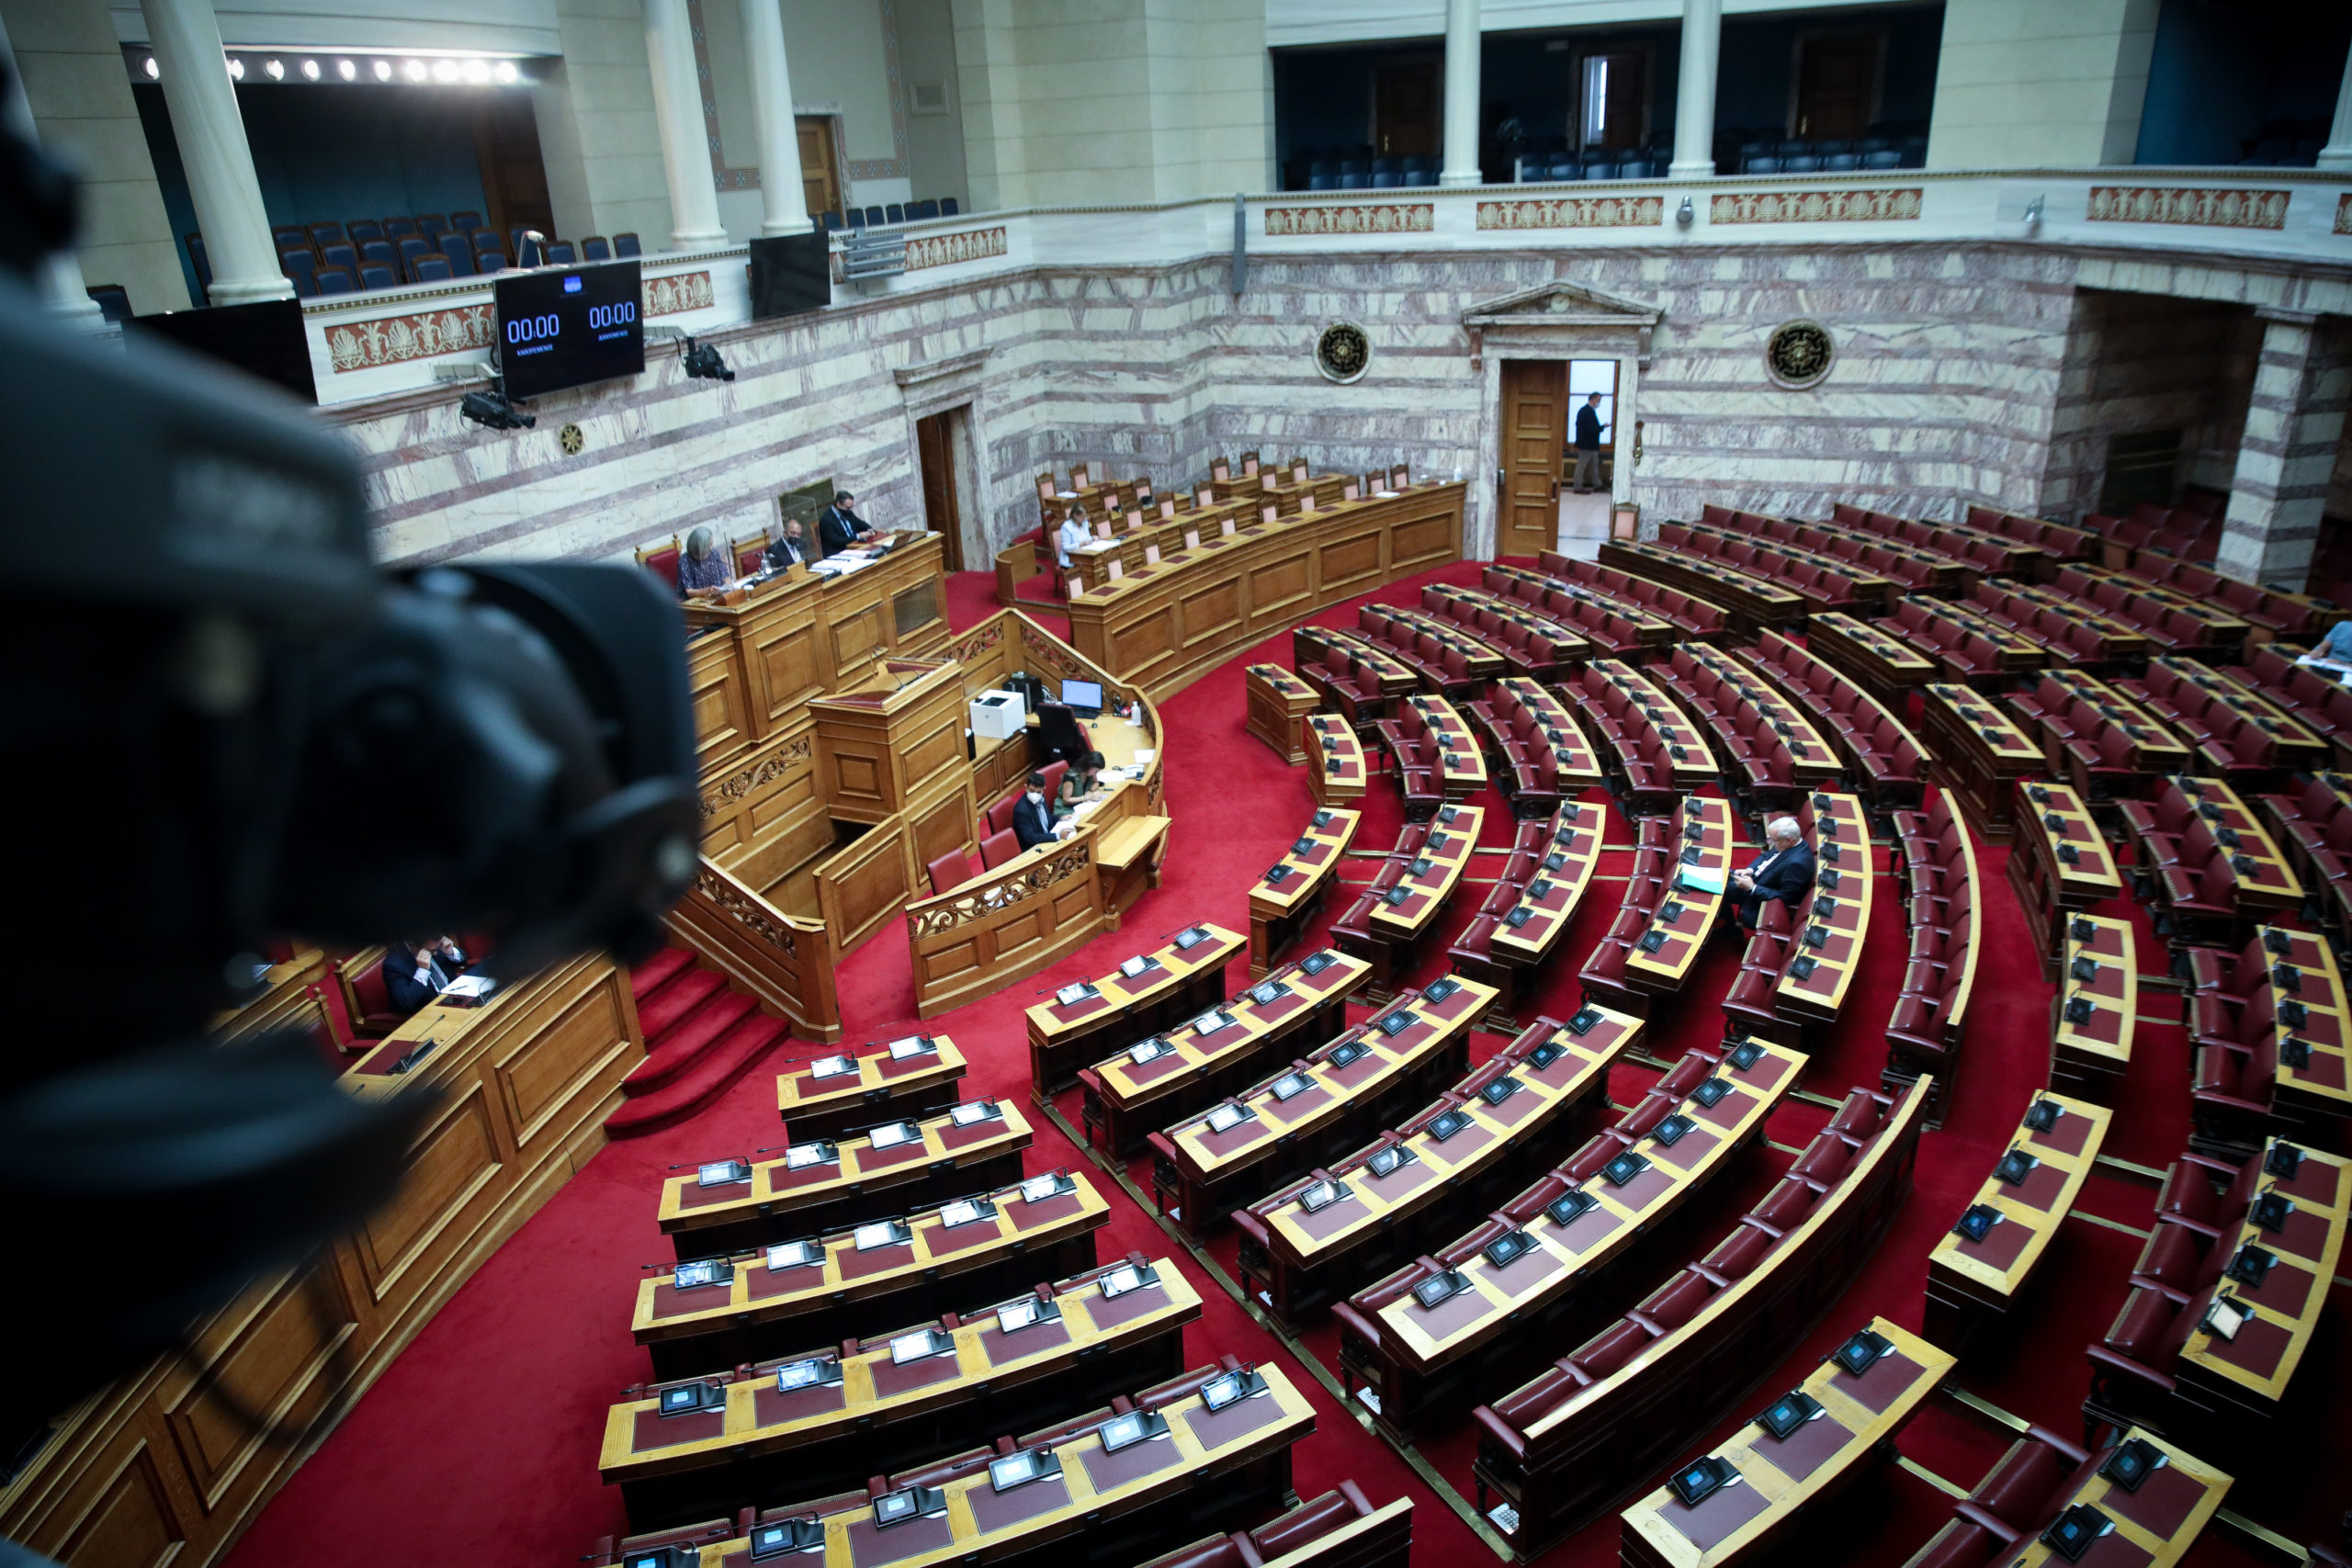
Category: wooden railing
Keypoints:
(1029, 912)
(784, 961)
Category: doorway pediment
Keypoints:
(1561, 304)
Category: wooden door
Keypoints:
(1406, 100)
(1835, 79)
(935, 454)
(1534, 427)
(820, 177)
(514, 178)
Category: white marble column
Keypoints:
(69, 295)
(784, 202)
(686, 140)
(2337, 153)
(202, 100)
(1461, 94)
(2294, 423)
(1694, 97)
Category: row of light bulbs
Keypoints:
(475, 73)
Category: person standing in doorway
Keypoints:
(1588, 448)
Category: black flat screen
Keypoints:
(264, 339)
(568, 326)
(790, 274)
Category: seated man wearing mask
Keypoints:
(1781, 873)
(1033, 817)
(787, 549)
(415, 972)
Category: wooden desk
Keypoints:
(1573, 761)
(1295, 1262)
(1650, 629)
(1842, 843)
(2119, 641)
(2087, 1059)
(1462, 765)
(1310, 644)
(2316, 1097)
(1980, 755)
(1410, 1357)
(2155, 1526)
(1335, 764)
(1200, 607)
(882, 1414)
(1661, 971)
(1200, 1175)
(1278, 701)
(1485, 661)
(1812, 762)
(1975, 1285)
(1552, 645)
(1404, 914)
(2052, 826)
(1551, 897)
(1127, 1099)
(1173, 982)
(760, 1311)
(2270, 883)
(1284, 901)
(1750, 599)
(780, 1199)
(1101, 1509)
(289, 997)
(1781, 1478)
(2246, 1378)
(878, 1088)
(1882, 664)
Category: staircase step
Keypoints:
(710, 1077)
(678, 1050)
(647, 977)
(658, 1013)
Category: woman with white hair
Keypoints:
(1782, 872)
(703, 569)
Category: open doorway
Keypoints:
(1584, 515)
(943, 450)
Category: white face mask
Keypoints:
(1036, 797)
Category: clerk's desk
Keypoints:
(755, 656)
(1046, 902)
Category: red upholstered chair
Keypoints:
(750, 555)
(2175, 1254)
(1310, 1521)
(365, 1003)
(2190, 1196)
(2023, 1490)
(999, 847)
(661, 558)
(952, 870)
(999, 816)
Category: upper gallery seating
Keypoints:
(1610, 1410)
(1770, 150)
(1884, 760)
(1664, 614)
(388, 253)
(837, 219)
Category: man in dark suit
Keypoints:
(838, 528)
(415, 972)
(1033, 817)
(1781, 873)
(787, 549)
(1587, 446)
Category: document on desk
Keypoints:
(1699, 879)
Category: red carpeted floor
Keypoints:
(482, 1436)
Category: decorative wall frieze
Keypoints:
(796, 752)
(2194, 205)
(981, 902)
(945, 250)
(1573, 212)
(1886, 205)
(755, 915)
(1364, 218)
(423, 335)
(677, 295)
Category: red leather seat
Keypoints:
(952, 870)
(999, 847)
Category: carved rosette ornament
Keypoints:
(1798, 355)
(1343, 353)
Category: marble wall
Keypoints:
(1946, 388)
(2139, 363)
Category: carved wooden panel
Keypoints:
(864, 885)
(714, 682)
(1345, 562)
(550, 1062)
(789, 669)
(936, 829)
(1281, 589)
(1421, 543)
(269, 1351)
(131, 1523)
(457, 1157)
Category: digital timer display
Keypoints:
(568, 326)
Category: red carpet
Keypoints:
(483, 1435)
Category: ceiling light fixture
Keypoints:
(347, 70)
(275, 70)
(237, 70)
(444, 70)
(416, 70)
(310, 69)
(154, 72)
(506, 73)
(477, 71)
(383, 71)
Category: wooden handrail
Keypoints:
(786, 962)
